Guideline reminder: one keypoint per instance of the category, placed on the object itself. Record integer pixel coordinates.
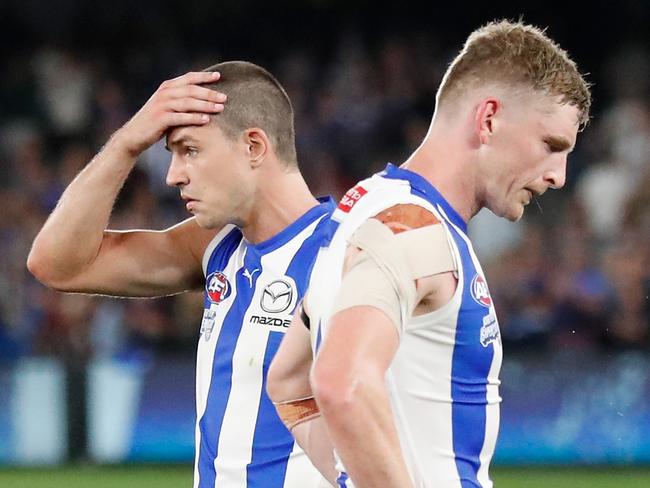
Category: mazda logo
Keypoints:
(277, 297)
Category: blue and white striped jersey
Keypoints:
(443, 382)
(250, 295)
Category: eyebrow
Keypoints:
(178, 140)
(558, 143)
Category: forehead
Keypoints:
(552, 117)
(197, 133)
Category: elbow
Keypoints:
(274, 383)
(41, 267)
(287, 380)
(334, 388)
(37, 266)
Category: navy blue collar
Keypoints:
(423, 186)
(326, 206)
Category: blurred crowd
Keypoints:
(574, 274)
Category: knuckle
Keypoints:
(195, 91)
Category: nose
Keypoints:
(556, 176)
(176, 175)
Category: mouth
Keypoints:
(189, 202)
(533, 194)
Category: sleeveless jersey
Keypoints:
(443, 381)
(250, 295)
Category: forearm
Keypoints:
(73, 233)
(361, 428)
(313, 438)
(288, 387)
(348, 380)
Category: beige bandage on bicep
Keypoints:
(384, 273)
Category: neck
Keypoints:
(445, 159)
(281, 199)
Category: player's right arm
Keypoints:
(74, 251)
(395, 262)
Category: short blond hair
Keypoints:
(516, 55)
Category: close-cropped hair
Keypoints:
(516, 55)
(255, 99)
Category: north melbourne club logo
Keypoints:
(277, 297)
(480, 291)
(217, 287)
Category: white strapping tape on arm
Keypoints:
(384, 273)
(425, 249)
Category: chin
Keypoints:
(517, 215)
(204, 222)
(513, 214)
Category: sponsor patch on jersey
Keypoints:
(277, 296)
(207, 323)
(480, 291)
(490, 330)
(350, 199)
(217, 287)
(276, 304)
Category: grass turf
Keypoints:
(156, 476)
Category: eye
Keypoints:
(556, 145)
(190, 151)
(551, 147)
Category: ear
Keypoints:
(258, 145)
(484, 122)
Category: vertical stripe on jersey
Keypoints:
(216, 240)
(303, 261)
(468, 421)
(272, 442)
(221, 255)
(222, 368)
(299, 270)
(224, 250)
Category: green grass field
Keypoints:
(174, 477)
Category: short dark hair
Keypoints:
(256, 99)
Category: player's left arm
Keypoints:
(287, 384)
(348, 377)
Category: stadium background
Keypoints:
(86, 382)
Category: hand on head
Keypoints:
(177, 102)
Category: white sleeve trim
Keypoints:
(213, 244)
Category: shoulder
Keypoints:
(205, 242)
(406, 216)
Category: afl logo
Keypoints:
(277, 297)
(217, 287)
(480, 291)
